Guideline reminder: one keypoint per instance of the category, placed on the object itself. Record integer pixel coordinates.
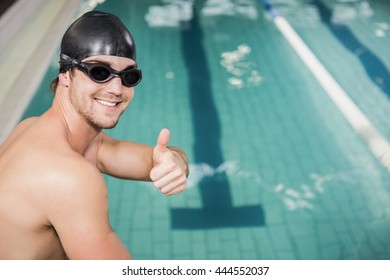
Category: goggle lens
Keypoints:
(99, 73)
(102, 73)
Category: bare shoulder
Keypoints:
(20, 128)
(59, 183)
(73, 188)
(28, 121)
(23, 125)
(73, 175)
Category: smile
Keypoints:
(107, 103)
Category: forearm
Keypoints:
(134, 161)
(126, 160)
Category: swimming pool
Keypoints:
(277, 172)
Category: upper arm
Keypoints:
(124, 159)
(78, 210)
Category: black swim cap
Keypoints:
(95, 33)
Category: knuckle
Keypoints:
(184, 182)
(182, 179)
(153, 174)
(177, 173)
(157, 184)
(165, 191)
(171, 165)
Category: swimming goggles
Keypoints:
(102, 73)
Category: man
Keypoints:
(53, 198)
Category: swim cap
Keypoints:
(95, 33)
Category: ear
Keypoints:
(64, 79)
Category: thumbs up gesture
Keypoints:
(170, 166)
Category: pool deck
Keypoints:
(29, 36)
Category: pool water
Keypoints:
(276, 172)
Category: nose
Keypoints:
(114, 86)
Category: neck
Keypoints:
(78, 131)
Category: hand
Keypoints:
(169, 168)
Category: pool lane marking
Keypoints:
(378, 145)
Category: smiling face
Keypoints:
(101, 104)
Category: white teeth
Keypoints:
(106, 103)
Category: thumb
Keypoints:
(162, 143)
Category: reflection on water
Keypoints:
(381, 29)
(242, 70)
(352, 10)
(294, 198)
(305, 13)
(171, 13)
(244, 8)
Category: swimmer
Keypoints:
(53, 197)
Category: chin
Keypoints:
(109, 125)
(98, 125)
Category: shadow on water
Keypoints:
(374, 67)
(217, 210)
